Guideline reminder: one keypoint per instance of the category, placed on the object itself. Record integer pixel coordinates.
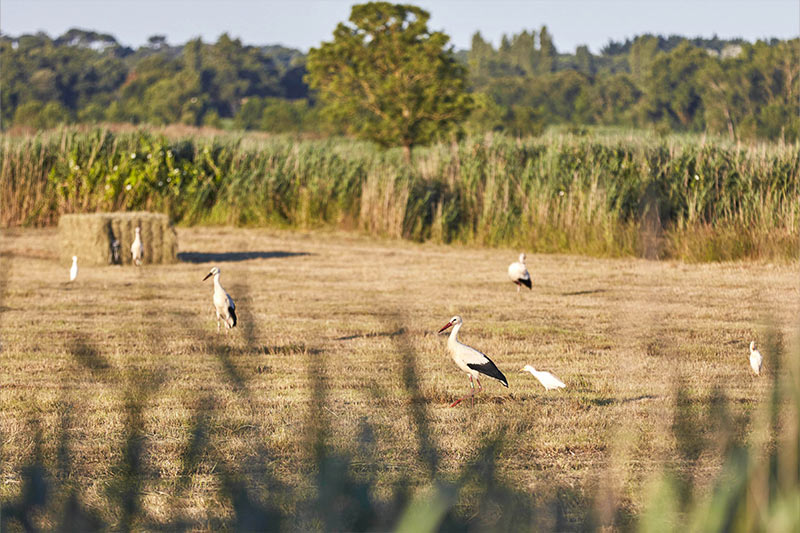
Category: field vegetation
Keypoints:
(327, 407)
(599, 192)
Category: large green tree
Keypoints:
(388, 78)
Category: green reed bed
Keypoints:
(608, 194)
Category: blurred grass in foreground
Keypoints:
(604, 193)
(757, 489)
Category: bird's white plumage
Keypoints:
(137, 248)
(548, 380)
(73, 270)
(464, 355)
(471, 361)
(518, 272)
(756, 360)
(223, 303)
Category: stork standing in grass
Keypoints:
(518, 273)
(548, 380)
(73, 270)
(470, 360)
(223, 303)
(137, 248)
(755, 358)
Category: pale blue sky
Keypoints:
(304, 23)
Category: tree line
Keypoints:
(523, 85)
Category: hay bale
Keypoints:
(91, 237)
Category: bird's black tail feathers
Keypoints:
(233, 316)
(491, 370)
(526, 282)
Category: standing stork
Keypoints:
(755, 358)
(470, 360)
(223, 303)
(548, 380)
(137, 248)
(518, 273)
(73, 270)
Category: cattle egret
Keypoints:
(137, 248)
(755, 358)
(470, 360)
(519, 273)
(223, 303)
(547, 379)
(73, 270)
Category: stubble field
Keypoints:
(333, 393)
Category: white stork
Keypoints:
(73, 270)
(223, 303)
(548, 380)
(755, 358)
(470, 360)
(519, 273)
(137, 248)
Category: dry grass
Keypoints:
(328, 325)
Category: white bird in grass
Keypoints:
(223, 303)
(548, 380)
(137, 248)
(519, 273)
(470, 360)
(755, 358)
(73, 270)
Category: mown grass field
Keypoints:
(119, 390)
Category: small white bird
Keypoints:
(137, 248)
(755, 358)
(223, 303)
(73, 270)
(518, 273)
(548, 380)
(470, 360)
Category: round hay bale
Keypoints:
(94, 238)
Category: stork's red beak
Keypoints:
(207, 276)
(445, 326)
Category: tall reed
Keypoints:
(609, 194)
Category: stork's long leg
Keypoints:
(471, 395)
(480, 389)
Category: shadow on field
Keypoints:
(88, 356)
(611, 401)
(232, 257)
(390, 334)
(358, 486)
(582, 293)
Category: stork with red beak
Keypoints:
(470, 360)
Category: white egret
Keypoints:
(548, 380)
(137, 248)
(73, 270)
(756, 359)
